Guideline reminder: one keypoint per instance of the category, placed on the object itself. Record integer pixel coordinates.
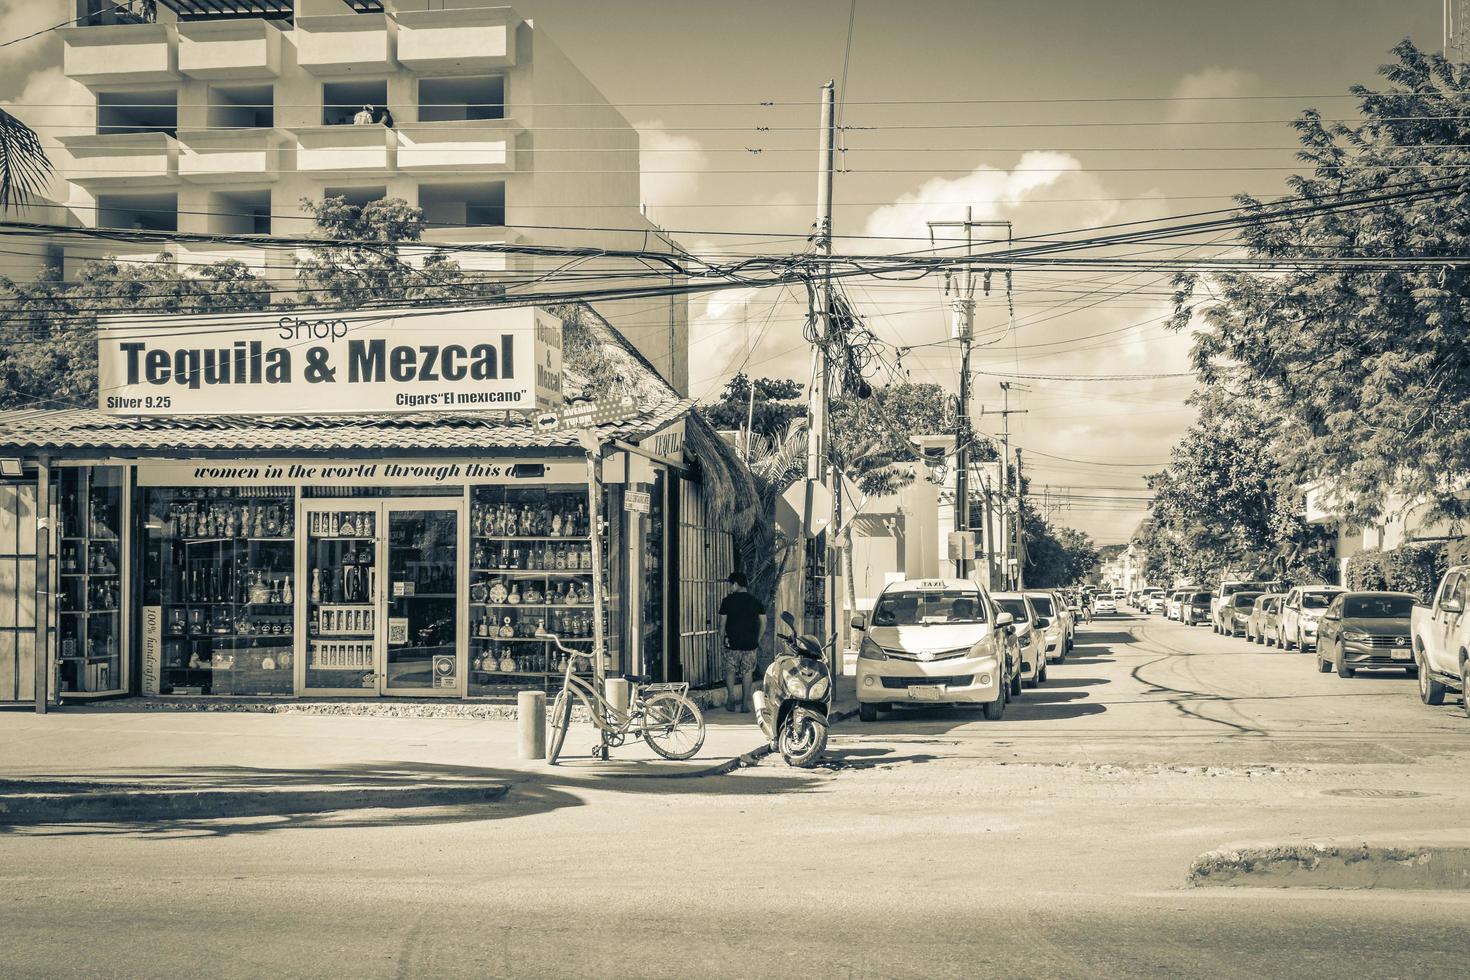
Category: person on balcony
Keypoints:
(363, 118)
(386, 118)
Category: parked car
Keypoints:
(935, 641)
(1030, 637)
(1155, 601)
(1068, 618)
(1238, 611)
(1366, 629)
(1261, 612)
(1441, 639)
(1104, 604)
(1196, 610)
(1224, 591)
(1300, 612)
(1175, 606)
(1053, 625)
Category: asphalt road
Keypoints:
(1052, 843)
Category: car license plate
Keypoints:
(926, 692)
(1403, 654)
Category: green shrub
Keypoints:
(1367, 571)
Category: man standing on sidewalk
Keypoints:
(743, 623)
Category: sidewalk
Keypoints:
(269, 761)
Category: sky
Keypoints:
(1057, 117)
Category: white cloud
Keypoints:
(671, 166)
(1201, 92)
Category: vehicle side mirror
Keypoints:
(1038, 622)
(1332, 615)
(788, 619)
(859, 622)
(1452, 605)
(1004, 620)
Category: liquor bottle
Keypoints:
(287, 596)
(288, 521)
(332, 524)
(316, 585)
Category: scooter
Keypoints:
(795, 698)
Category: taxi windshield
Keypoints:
(928, 608)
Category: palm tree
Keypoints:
(24, 169)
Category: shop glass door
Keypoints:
(342, 618)
(422, 599)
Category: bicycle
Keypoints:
(663, 714)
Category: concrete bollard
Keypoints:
(618, 692)
(531, 723)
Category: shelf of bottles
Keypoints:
(530, 574)
(89, 563)
(220, 563)
(341, 607)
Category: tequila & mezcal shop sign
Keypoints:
(299, 362)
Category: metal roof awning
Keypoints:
(89, 433)
(221, 9)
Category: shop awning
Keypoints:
(88, 432)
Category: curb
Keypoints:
(114, 806)
(1333, 866)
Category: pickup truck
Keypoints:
(1441, 632)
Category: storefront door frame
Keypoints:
(381, 508)
(459, 507)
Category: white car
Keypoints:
(1053, 625)
(936, 641)
(1300, 611)
(1156, 602)
(1030, 638)
(1104, 603)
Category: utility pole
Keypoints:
(1456, 28)
(1005, 478)
(1020, 536)
(820, 296)
(961, 293)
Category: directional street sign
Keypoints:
(583, 415)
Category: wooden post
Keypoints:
(42, 655)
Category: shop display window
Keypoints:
(530, 574)
(342, 590)
(219, 562)
(89, 558)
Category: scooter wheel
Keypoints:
(803, 739)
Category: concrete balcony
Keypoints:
(325, 149)
(346, 44)
(247, 48)
(120, 54)
(123, 160)
(458, 40)
(469, 261)
(230, 156)
(457, 145)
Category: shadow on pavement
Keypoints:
(853, 759)
(272, 799)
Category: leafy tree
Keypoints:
(1224, 504)
(1055, 555)
(48, 335)
(48, 353)
(869, 437)
(778, 402)
(1367, 363)
(362, 261)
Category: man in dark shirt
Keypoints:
(743, 623)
